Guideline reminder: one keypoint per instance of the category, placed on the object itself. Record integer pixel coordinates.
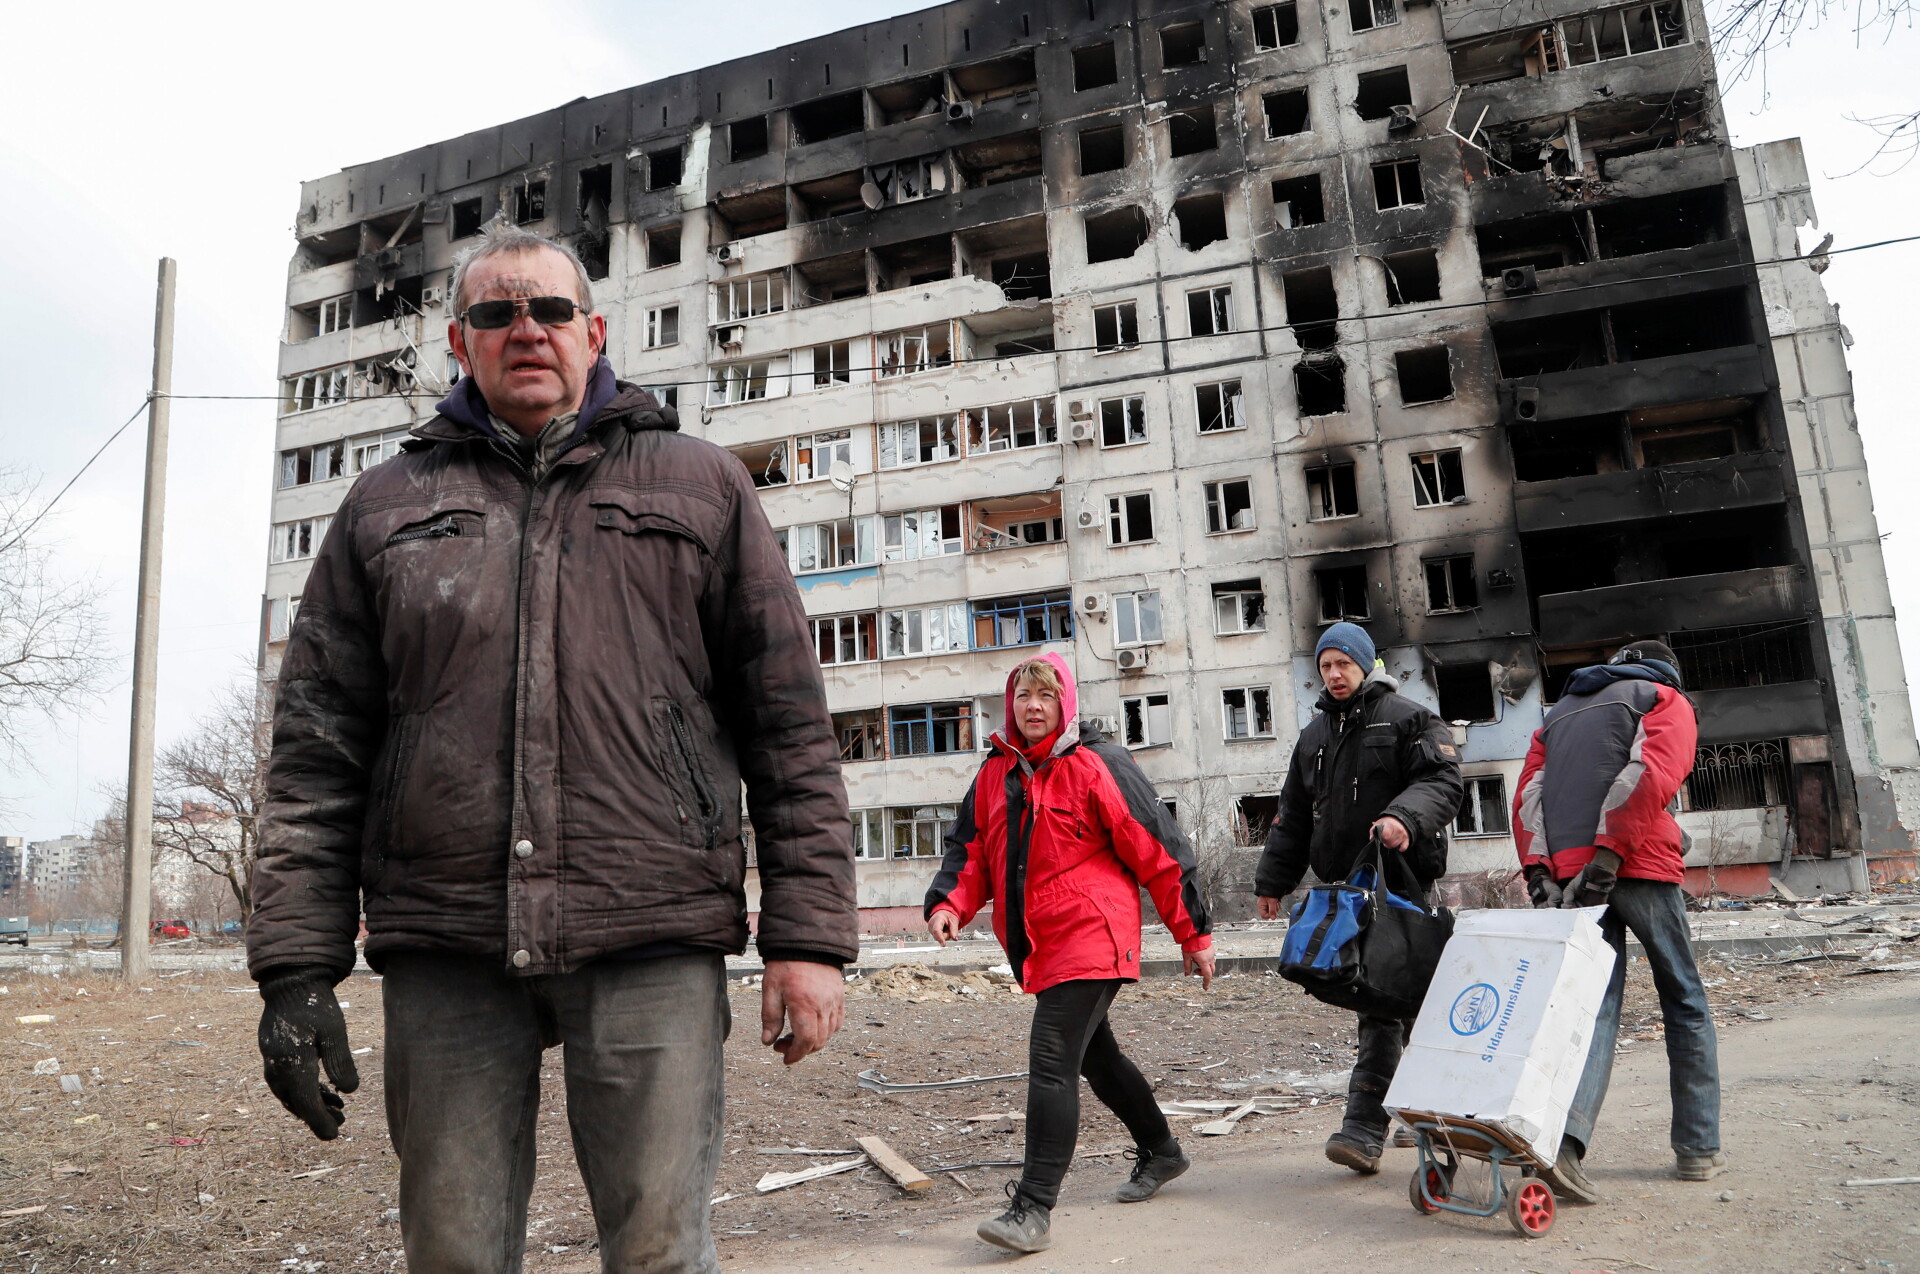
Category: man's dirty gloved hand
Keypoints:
(301, 1030)
(1541, 891)
(1594, 885)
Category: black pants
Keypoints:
(1071, 1038)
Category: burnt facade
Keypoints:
(1167, 333)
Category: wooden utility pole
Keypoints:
(136, 962)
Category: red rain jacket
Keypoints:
(1062, 849)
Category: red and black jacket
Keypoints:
(1062, 849)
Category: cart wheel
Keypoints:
(1436, 1183)
(1530, 1208)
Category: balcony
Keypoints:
(1739, 371)
(1704, 486)
(1761, 712)
(1622, 611)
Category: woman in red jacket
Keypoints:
(1060, 830)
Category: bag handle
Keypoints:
(1377, 855)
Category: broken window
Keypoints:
(281, 614)
(1017, 521)
(1437, 478)
(815, 455)
(300, 539)
(664, 168)
(1688, 441)
(914, 262)
(826, 117)
(1183, 44)
(1012, 426)
(1102, 150)
(1312, 305)
(1191, 132)
(909, 180)
(859, 735)
(1320, 386)
(1202, 220)
(920, 831)
(831, 364)
(1680, 325)
(1246, 712)
(1007, 76)
(1239, 606)
(1426, 375)
(663, 326)
(1412, 276)
(317, 389)
(1286, 112)
(1229, 505)
(1116, 234)
(1276, 26)
(918, 98)
(1217, 406)
(1210, 311)
(530, 202)
(1737, 776)
(994, 160)
(829, 546)
(766, 461)
(1115, 327)
(1123, 421)
(846, 639)
(1484, 811)
(869, 825)
(663, 246)
(466, 220)
(1660, 224)
(1332, 492)
(1023, 621)
(924, 729)
(1397, 185)
(929, 440)
(1625, 32)
(368, 450)
(738, 382)
(1368, 14)
(1450, 584)
(594, 243)
(1095, 66)
(1130, 518)
(747, 138)
(924, 630)
(1297, 202)
(1381, 91)
(1136, 619)
(1145, 721)
(749, 297)
(1745, 655)
(318, 463)
(915, 350)
(1343, 593)
(922, 533)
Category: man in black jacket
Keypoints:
(1371, 762)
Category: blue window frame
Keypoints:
(1023, 621)
(926, 729)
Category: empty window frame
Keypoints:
(1012, 426)
(1332, 492)
(1123, 421)
(1217, 406)
(1484, 811)
(1136, 619)
(1412, 276)
(1115, 327)
(747, 138)
(826, 117)
(1201, 219)
(1130, 518)
(1116, 234)
(368, 450)
(530, 202)
(929, 440)
(830, 546)
(1286, 112)
(664, 167)
(1210, 310)
(920, 831)
(1438, 478)
(1312, 306)
(1450, 585)
(749, 297)
(910, 536)
(1425, 375)
(1183, 44)
(1146, 721)
(281, 614)
(1276, 26)
(466, 219)
(663, 326)
(1102, 150)
(1397, 185)
(1095, 66)
(318, 463)
(335, 314)
(663, 246)
(1320, 387)
(846, 639)
(1192, 131)
(1246, 712)
(766, 461)
(832, 364)
(1380, 91)
(300, 539)
(915, 350)
(1229, 505)
(1465, 692)
(924, 630)
(1624, 32)
(1023, 621)
(1343, 593)
(738, 382)
(1365, 15)
(930, 729)
(318, 389)
(1297, 201)
(1239, 606)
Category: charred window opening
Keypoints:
(1381, 91)
(1286, 112)
(1450, 585)
(596, 202)
(1412, 277)
(1102, 150)
(665, 168)
(336, 246)
(1014, 255)
(747, 138)
(1297, 201)
(832, 278)
(917, 98)
(826, 117)
(1684, 220)
(914, 262)
(999, 159)
(1095, 66)
(1002, 77)
(1552, 343)
(395, 300)
(1397, 185)
(1312, 306)
(1558, 665)
(1570, 563)
(1438, 479)
(1332, 493)
(1320, 386)
(1465, 692)
(1661, 549)
(1545, 243)
(1115, 327)
(1426, 375)
(1202, 220)
(663, 246)
(1682, 325)
(757, 212)
(1368, 14)
(1191, 132)
(1570, 449)
(1027, 278)
(1691, 432)
(1744, 655)
(1116, 234)
(530, 202)
(1276, 26)
(467, 219)
(1183, 44)
(1252, 816)
(1343, 593)
(827, 197)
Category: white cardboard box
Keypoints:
(1502, 1036)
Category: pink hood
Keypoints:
(1009, 738)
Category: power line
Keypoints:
(76, 477)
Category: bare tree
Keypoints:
(1220, 838)
(212, 785)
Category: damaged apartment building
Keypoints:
(1163, 334)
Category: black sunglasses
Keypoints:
(548, 311)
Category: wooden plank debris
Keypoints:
(316, 1172)
(894, 1164)
(36, 1208)
(874, 1081)
(781, 1180)
(1884, 1181)
(1226, 1123)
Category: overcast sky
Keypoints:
(140, 131)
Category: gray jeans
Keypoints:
(642, 1055)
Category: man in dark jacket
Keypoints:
(538, 653)
(1592, 826)
(1373, 762)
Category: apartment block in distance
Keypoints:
(1162, 335)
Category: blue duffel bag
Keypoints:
(1360, 945)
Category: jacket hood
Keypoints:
(1009, 739)
(1599, 676)
(466, 406)
(1378, 682)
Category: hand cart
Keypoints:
(1446, 1140)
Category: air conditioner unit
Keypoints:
(432, 296)
(1086, 519)
(1079, 409)
(1402, 119)
(1093, 603)
(1519, 279)
(730, 337)
(1526, 402)
(1132, 659)
(1105, 725)
(1080, 431)
(960, 112)
(727, 253)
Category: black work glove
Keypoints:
(1541, 890)
(300, 1030)
(1594, 885)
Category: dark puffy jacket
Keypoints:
(514, 717)
(1061, 849)
(1378, 753)
(1603, 770)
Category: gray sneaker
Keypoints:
(1022, 1227)
(1567, 1179)
(1700, 1167)
(1150, 1172)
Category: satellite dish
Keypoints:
(841, 476)
(870, 196)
